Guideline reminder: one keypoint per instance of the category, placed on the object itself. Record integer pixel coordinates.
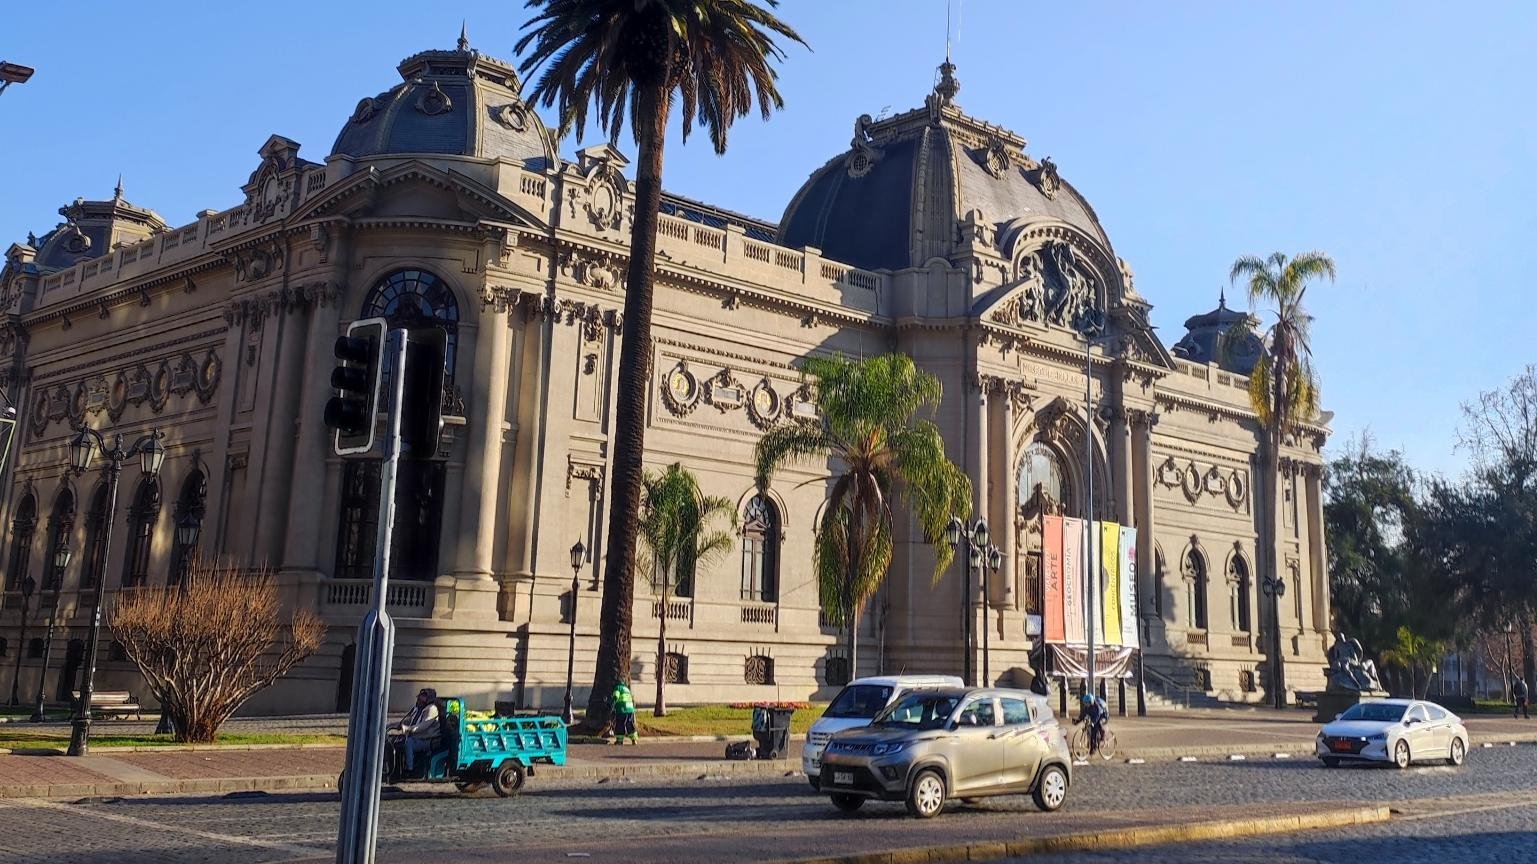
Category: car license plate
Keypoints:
(843, 778)
(1342, 745)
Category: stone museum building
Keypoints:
(444, 201)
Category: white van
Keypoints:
(856, 704)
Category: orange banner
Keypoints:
(1055, 625)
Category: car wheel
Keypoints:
(926, 797)
(815, 781)
(847, 803)
(1051, 789)
(1401, 755)
(1459, 752)
(1329, 761)
(508, 779)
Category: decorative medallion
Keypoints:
(511, 116)
(863, 154)
(434, 101)
(1047, 179)
(764, 404)
(160, 387)
(365, 110)
(97, 391)
(995, 158)
(724, 391)
(681, 390)
(1237, 489)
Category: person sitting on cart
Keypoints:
(421, 727)
(624, 713)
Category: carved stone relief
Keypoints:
(114, 392)
(680, 391)
(1229, 485)
(863, 154)
(764, 404)
(1057, 288)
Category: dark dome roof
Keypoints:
(897, 197)
(457, 102)
(1211, 338)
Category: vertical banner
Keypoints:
(1129, 597)
(1054, 627)
(1096, 587)
(1072, 581)
(1110, 563)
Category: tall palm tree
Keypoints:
(880, 452)
(629, 59)
(673, 520)
(1283, 391)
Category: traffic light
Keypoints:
(421, 415)
(356, 378)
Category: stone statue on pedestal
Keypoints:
(1350, 668)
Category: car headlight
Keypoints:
(887, 749)
(1379, 737)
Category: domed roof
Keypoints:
(897, 197)
(92, 228)
(458, 102)
(1211, 338)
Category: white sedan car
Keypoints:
(1395, 731)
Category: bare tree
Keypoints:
(208, 645)
(1495, 649)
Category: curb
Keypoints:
(1122, 838)
(170, 748)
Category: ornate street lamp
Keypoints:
(61, 558)
(993, 560)
(28, 585)
(578, 557)
(970, 541)
(82, 451)
(1275, 589)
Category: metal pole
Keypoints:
(358, 832)
(966, 605)
(566, 713)
(80, 729)
(26, 602)
(1091, 584)
(984, 566)
(42, 675)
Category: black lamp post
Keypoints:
(61, 556)
(82, 451)
(28, 585)
(578, 556)
(1275, 589)
(992, 561)
(975, 539)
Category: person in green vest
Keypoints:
(624, 714)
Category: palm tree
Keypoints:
(1414, 652)
(1283, 390)
(673, 517)
(628, 59)
(867, 429)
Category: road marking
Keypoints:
(230, 839)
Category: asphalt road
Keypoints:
(721, 820)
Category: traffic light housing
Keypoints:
(421, 416)
(357, 377)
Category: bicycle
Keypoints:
(1082, 748)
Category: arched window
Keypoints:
(760, 551)
(61, 523)
(1195, 588)
(142, 517)
(1238, 578)
(95, 534)
(1041, 467)
(190, 508)
(413, 299)
(22, 528)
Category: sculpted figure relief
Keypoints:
(1350, 668)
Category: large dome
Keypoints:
(898, 196)
(459, 102)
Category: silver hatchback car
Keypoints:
(936, 744)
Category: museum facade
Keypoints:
(444, 202)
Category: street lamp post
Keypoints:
(992, 560)
(975, 542)
(13, 73)
(82, 451)
(1275, 589)
(61, 556)
(28, 585)
(578, 555)
(188, 527)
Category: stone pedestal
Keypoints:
(1333, 702)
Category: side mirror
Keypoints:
(1338, 716)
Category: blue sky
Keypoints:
(1398, 137)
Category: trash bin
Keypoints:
(771, 729)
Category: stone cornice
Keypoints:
(136, 289)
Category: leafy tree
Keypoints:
(629, 60)
(208, 645)
(866, 427)
(1416, 654)
(673, 519)
(1283, 388)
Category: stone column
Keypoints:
(306, 519)
(1120, 466)
(272, 448)
(1143, 474)
(1007, 530)
(1318, 579)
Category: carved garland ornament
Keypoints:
(764, 404)
(724, 391)
(680, 391)
(1230, 485)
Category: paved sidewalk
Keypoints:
(1210, 733)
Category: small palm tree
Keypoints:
(673, 519)
(1283, 389)
(879, 452)
(630, 59)
(1415, 652)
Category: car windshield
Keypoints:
(1374, 711)
(859, 701)
(918, 711)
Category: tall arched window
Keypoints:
(61, 523)
(1195, 588)
(1041, 467)
(190, 508)
(22, 528)
(95, 534)
(1238, 577)
(142, 517)
(413, 299)
(760, 551)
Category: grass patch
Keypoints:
(52, 738)
(716, 720)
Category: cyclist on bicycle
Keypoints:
(1098, 714)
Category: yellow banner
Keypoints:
(1110, 562)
